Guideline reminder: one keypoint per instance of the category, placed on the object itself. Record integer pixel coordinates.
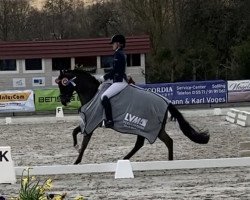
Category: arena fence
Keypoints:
(137, 166)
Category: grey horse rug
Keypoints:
(135, 111)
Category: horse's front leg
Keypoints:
(85, 142)
(164, 137)
(74, 134)
(139, 144)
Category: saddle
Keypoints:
(135, 111)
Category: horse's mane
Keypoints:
(86, 74)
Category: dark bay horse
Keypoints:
(86, 86)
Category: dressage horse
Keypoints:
(86, 86)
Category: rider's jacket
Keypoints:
(117, 72)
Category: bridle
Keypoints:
(66, 82)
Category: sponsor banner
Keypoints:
(199, 92)
(19, 82)
(17, 101)
(238, 90)
(48, 99)
(38, 81)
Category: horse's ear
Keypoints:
(63, 71)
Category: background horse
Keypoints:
(86, 86)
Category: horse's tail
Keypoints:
(198, 137)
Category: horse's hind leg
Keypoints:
(74, 134)
(164, 137)
(139, 144)
(85, 142)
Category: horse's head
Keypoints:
(66, 82)
(79, 81)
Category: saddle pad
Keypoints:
(135, 111)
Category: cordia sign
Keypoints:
(199, 92)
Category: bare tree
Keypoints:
(5, 14)
(59, 15)
(19, 15)
(13, 18)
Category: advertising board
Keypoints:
(239, 91)
(17, 101)
(48, 99)
(198, 92)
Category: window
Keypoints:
(133, 60)
(8, 65)
(61, 63)
(88, 63)
(33, 64)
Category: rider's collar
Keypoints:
(119, 48)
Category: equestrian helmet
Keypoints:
(118, 38)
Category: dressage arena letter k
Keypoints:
(3, 156)
(7, 172)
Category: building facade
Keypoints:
(36, 64)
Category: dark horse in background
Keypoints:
(86, 86)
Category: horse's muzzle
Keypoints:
(64, 103)
(64, 100)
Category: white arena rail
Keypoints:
(136, 166)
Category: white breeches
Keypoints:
(114, 89)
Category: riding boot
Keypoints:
(108, 111)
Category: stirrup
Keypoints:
(109, 123)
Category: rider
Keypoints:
(117, 75)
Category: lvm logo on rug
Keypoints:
(134, 121)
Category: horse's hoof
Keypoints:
(77, 162)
